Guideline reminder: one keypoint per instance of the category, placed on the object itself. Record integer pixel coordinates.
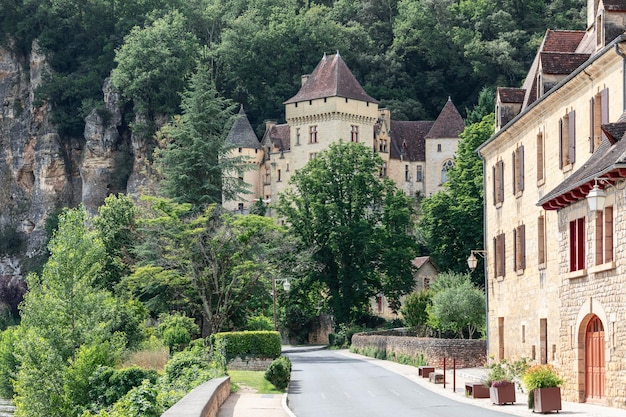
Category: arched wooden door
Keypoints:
(594, 360)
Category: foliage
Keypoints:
(9, 362)
(140, 401)
(259, 323)
(343, 337)
(415, 308)
(540, 376)
(335, 207)
(266, 344)
(259, 208)
(12, 290)
(177, 330)
(108, 385)
(194, 156)
(457, 305)
(11, 241)
(279, 372)
(153, 63)
(505, 371)
(225, 258)
(452, 219)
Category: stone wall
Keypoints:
(250, 364)
(468, 353)
(203, 401)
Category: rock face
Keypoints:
(40, 171)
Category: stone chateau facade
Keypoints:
(555, 265)
(331, 105)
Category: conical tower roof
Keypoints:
(331, 78)
(241, 134)
(449, 124)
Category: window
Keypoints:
(598, 115)
(518, 170)
(407, 176)
(297, 136)
(604, 236)
(312, 155)
(313, 134)
(267, 176)
(354, 133)
(239, 150)
(567, 139)
(439, 147)
(444, 171)
(499, 255)
(519, 247)
(577, 244)
(540, 160)
(240, 207)
(383, 170)
(541, 240)
(498, 182)
(419, 175)
(279, 175)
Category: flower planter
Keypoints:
(502, 394)
(547, 399)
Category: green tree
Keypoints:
(153, 63)
(194, 158)
(452, 219)
(415, 308)
(457, 305)
(335, 206)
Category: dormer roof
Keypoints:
(562, 40)
(511, 95)
(561, 62)
(615, 5)
(241, 133)
(449, 124)
(331, 78)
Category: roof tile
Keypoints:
(561, 62)
(449, 123)
(511, 95)
(408, 139)
(241, 133)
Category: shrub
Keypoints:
(264, 344)
(195, 358)
(177, 330)
(259, 323)
(540, 376)
(414, 310)
(343, 337)
(108, 385)
(279, 372)
(8, 361)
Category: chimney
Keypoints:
(305, 78)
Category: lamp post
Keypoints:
(472, 262)
(286, 287)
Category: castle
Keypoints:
(331, 105)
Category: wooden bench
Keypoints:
(425, 371)
(436, 377)
(476, 390)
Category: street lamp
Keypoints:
(472, 261)
(286, 287)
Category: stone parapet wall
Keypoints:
(468, 353)
(250, 364)
(203, 401)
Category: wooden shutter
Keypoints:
(515, 251)
(540, 162)
(580, 243)
(522, 244)
(604, 97)
(592, 125)
(495, 184)
(541, 240)
(572, 137)
(514, 171)
(521, 168)
(599, 239)
(501, 185)
(608, 234)
(561, 143)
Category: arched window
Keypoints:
(444, 170)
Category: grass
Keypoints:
(254, 380)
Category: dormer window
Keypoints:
(599, 31)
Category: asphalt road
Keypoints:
(327, 384)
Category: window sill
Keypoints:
(520, 272)
(602, 267)
(519, 194)
(499, 204)
(576, 274)
(541, 182)
(567, 168)
(542, 266)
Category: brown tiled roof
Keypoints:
(449, 124)
(241, 133)
(331, 78)
(615, 5)
(562, 40)
(608, 161)
(511, 95)
(279, 135)
(421, 260)
(408, 139)
(561, 62)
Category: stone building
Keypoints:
(555, 265)
(331, 105)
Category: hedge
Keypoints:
(260, 344)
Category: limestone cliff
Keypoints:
(41, 172)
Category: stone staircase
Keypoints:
(6, 408)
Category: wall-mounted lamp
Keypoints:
(472, 261)
(286, 287)
(596, 197)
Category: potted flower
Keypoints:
(543, 385)
(501, 378)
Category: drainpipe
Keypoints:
(620, 53)
(485, 259)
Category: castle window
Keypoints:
(519, 248)
(354, 133)
(444, 171)
(383, 170)
(567, 139)
(499, 251)
(439, 147)
(407, 177)
(297, 136)
(518, 170)
(577, 244)
(267, 176)
(419, 174)
(604, 236)
(313, 134)
(599, 114)
(280, 176)
(239, 150)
